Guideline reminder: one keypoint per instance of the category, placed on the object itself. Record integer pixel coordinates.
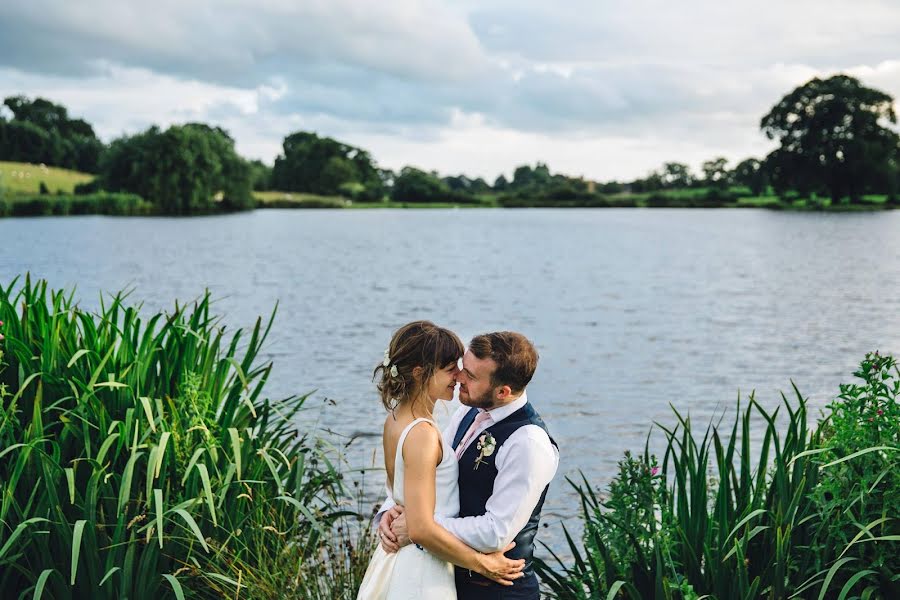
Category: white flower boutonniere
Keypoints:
(487, 444)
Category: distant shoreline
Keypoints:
(292, 200)
(21, 183)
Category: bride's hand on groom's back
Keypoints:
(501, 569)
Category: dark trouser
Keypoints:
(525, 588)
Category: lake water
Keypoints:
(631, 310)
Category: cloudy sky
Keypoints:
(607, 89)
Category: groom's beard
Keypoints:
(486, 400)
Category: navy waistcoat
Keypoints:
(476, 485)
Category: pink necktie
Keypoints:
(480, 418)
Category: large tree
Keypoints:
(750, 172)
(322, 165)
(186, 169)
(832, 138)
(42, 132)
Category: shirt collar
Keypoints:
(501, 412)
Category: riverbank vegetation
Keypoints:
(142, 458)
(799, 511)
(836, 151)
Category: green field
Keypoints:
(272, 199)
(25, 178)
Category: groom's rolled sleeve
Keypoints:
(387, 505)
(526, 463)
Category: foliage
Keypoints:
(716, 174)
(859, 497)
(42, 132)
(676, 175)
(414, 185)
(806, 513)
(186, 169)
(260, 176)
(749, 172)
(832, 138)
(101, 203)
(272, 199)
(142, 460)
(320, 165)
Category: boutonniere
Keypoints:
(486, 444)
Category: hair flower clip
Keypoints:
(387, 358)
(393, 370)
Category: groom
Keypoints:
(506, 461)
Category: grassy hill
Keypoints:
(25, 178)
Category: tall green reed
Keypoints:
(139, 457)
(805, 513)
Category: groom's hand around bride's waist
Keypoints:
(392, 530)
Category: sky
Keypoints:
(602, 89)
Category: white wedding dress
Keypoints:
(413, 573)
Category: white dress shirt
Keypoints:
(526, 463)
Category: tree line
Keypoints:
(835, 139)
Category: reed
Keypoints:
(806, 513)
(140, 458)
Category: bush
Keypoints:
(93, 204)
(91, 187)
(556, 195)
(142, 460)
(860, 489)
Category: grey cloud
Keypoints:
(238, 44)
(582, 68)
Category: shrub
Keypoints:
(102, 203)
(90, 187)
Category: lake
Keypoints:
(631, 310)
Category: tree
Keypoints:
(525, 176)
(183, 170)
(321, 165)
(651, 183)
(234, 181)
(415, 185)
(260, 175)
(831, 137)
(715, 173)
(65, 142)
(750, 172)
(501, 183)
(676, 175)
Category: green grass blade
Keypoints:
(176, 586)
(76, 548)
(158, 496)
(41, 582)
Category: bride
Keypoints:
(419, 368)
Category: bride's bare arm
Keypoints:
(421, 455)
